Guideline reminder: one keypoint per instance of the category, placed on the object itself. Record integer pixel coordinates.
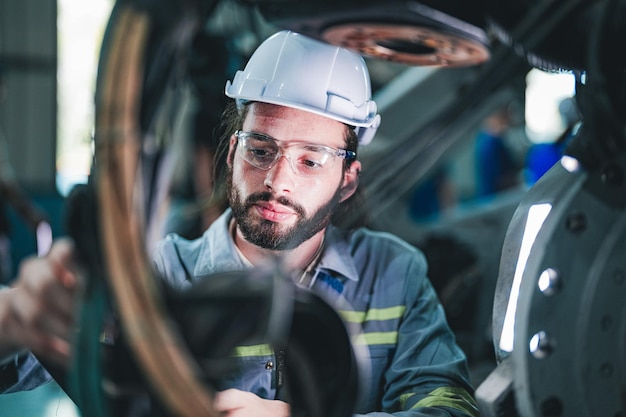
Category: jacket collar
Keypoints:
(337, 256)
(218, 252)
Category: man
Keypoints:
(301, 109)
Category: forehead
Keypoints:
(294, 125)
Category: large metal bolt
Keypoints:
(549, 282)
(612, 175)
(606, 369)
(541, 345)
(576, 222)
(551, 407)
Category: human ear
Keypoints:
(350, 180)
(231, 150)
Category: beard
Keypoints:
(271, 235)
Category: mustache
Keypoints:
(269, 197)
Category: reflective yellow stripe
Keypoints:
(404, 398)
(452, 397)
(254, 350)
(373, 314)
(352, 316)
(376, 338)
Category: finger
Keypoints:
(39, 275)
(41, 302)
(52, 349)
(24, 329)
(53, 278)
(35, 315)
(61, 257)
(42, 297)
(59, 299)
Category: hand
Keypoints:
(37, 312)
(237, 403)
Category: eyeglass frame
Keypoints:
(241, 135)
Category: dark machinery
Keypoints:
(559, 317)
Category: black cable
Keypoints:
(601, 111)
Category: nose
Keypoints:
(281, 177)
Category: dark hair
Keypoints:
(232, 120)
(350, 214)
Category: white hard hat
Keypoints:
(293, 70)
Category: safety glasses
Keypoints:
(306, 159)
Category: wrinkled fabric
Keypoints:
(22, 373)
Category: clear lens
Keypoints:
(306, 159)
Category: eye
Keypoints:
(311, 160)
(311, 164)
(262, 151)
(258, 152)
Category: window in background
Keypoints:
(552, 117)
(544, 94)
(80, 26)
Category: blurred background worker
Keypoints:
(497, 168)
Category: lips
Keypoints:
(273, 212)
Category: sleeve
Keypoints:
(428, 374)
(168, 263)
(22, 373)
